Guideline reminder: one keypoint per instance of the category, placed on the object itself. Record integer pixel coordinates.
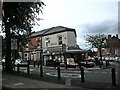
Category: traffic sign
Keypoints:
(13, 44)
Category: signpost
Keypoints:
(13, 44)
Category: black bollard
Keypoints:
(113, 77)
(18, 68)
(58, 69)
(100, 63)
(41, 71)
(28, 70)
(106, 63)
(34, 63)
(38, 64)
(82, 75)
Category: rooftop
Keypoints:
(52, 30)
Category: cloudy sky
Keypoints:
(86, 16)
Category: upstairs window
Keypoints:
(59, 40)
(47, 41)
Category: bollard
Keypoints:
(28, 70)
(41, 71)
(100, 63)
(34, 63)
(18, 68)
(106, 63)
(113, 77)
(82, 75)
(58, 69)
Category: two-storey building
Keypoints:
(56, 43)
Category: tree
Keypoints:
(98, 41)
(19, 17)
(90, 53)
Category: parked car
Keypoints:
(21, 62)
(87, 64)
(62, 64)
(117, 59)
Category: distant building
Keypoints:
(113, 48)
(113, 45)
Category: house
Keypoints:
(113, 48)
(56, 43)
(113, 45)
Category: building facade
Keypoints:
(113, 45)
(113, 48)
(53, 43)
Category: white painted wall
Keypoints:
(68, 38)
(71, 39)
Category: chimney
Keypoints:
(116, 35)
(109, 36)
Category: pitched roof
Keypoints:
(52, 30)
(39, 33)
(58, 29)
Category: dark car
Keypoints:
(87, 64)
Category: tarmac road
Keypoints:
(95, 74)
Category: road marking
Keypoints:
(104, 72)
(17, 84)
(66, 75)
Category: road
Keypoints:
(91, 74)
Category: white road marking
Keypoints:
(17, 84)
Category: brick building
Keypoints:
(113, 45)
(53, 43)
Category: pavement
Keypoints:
(16, 81)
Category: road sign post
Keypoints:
(13, 44)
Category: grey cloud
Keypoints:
(106, 27)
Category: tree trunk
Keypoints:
(8, 62)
